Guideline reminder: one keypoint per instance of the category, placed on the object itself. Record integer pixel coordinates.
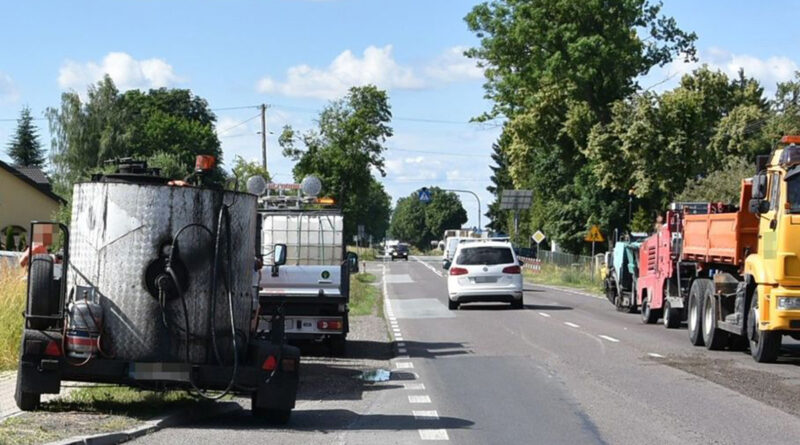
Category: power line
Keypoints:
(243, 107)
(238, 125)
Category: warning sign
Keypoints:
(594, 235)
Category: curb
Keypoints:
(566, 289)
(193, 413)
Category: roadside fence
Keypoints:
(532, 264)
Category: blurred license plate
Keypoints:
(485, 279)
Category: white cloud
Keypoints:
(376, 66)
(8, 90)
(452, 66)
(127, 72)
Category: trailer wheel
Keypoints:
(694, 318)
(40, 295)
(672, 316)
(649, 315)
(764, 345)
(714, 338)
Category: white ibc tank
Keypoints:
(119, 233)
(311, 238)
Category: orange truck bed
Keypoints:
(722, 238)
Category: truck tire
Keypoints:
(695, 310)
(714, 338)
(764, 345)
(672, 316)
(26, 401)
(649, 316)
(40, 295)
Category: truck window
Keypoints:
(793, 193)
(774, 194)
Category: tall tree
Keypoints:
(553, 69)
(25, 148)
(168, 127)
(345, 148)
(501, 180)
(419, 223)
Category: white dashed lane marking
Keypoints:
(433, 435)
(544, 314)
(572, 325)
(606, 337)
(414, 386)
(419, 399)
(653, 354)
(426, 415)
(404, 365)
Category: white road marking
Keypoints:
(432, 269)
(572, 325)
(402, 350)
(433, 435)
(403, 357)
(414, 386)
(544, 314)
(606, 337)
(401, 344)
(419, 399)
(653, 354)
(404, 365)
(398, 338)
(425, 415)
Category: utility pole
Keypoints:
(476, 198)
(264, 136)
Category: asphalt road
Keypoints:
(567, 368)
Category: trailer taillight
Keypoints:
(329, 325)
(52, 349)
(270, 363)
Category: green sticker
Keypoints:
(326, 274)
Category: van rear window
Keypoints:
(485, 255)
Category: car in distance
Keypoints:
(400, 251)
(484, 271)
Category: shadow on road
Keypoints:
(547, 307)
(435, 350)
(327, 420)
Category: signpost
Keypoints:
(516, 200)
(594, 236)
(538, 237)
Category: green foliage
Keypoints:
(243, 170)
(364, 296)
(501, 180)
(722, 185)
(23, 242)
(419, 224)
(348, 143)
(643, 221)
(167, 127)
(25, 148)
(10, 244)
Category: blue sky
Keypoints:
(297, 54)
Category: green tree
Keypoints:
(501, 180)
(243, 170)
(723, 185)
(25, 148)
(553, 69)
(347, 145)
(168, 127)
(419, 223)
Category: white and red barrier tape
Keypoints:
(532, 264)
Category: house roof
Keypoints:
(34, 177)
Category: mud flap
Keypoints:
(277, 390)
(39, 373)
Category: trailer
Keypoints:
(153, 288)
(621, 272)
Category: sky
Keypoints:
(297, 55)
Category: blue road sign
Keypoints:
(425, 195)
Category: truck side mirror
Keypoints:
(279, 255)
(759, 206)
(446, 264)
(759, 186)
(352, 262)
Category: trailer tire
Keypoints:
(672, 316)
(714, 338)
(764, 345)
(695, 310)
(40, 295)
(26, 401)
(649, 315)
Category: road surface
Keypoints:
(566, 369)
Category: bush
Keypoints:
(12, 303)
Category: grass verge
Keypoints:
(364, 253)
(88, 411)
(12, 304)
(364, 296)
(574, 277)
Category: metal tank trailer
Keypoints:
(157, 291)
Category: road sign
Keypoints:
(538, 237)
(594, 235)
(425, 195)
(361, 231)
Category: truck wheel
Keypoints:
(714, 338)
(672, 316)
(694, 317)
(649, 316)
(26, 401)
(764, 345)
(452, 305)
(40, 296)
(338, 345)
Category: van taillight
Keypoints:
(458, 271)
(512, 270)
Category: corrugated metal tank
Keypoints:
(118, 230)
